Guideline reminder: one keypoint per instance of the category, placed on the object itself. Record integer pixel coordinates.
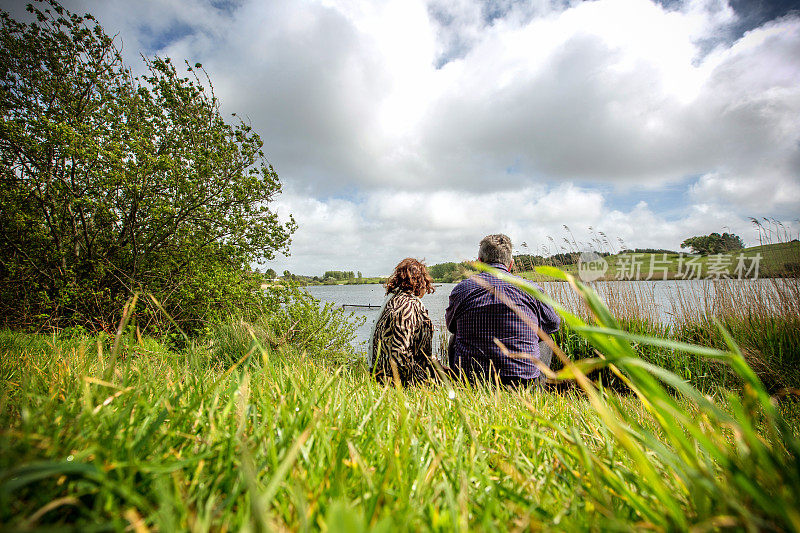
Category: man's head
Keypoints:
(495, 249)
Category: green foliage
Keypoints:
(439, 270)
(339, 275)
(111, 184)
(450, 272)
(659, 251)
(714, 243)
(292, 318)
(770, 345)
(528, 261)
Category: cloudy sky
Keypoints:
(414, 128)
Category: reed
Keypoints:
(763, 316)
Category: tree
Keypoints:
(439, 271)
(111, 184)
(450, 272)
(713, 243)
(270, 274)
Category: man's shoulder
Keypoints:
(467, 285)
(513, 289)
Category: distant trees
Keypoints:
(439, 271)
(270, 273)
(111, 184)
(339, 275)
(450, 272)
(649, 251)
(528, 262)
(713, 243)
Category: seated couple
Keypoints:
(401, 341)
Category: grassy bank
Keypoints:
(304, 281)
(779, 260)
(249, 429)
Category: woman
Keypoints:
(400, 346)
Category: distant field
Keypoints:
(776, 260)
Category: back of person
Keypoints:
(401, 340)
(476, 317)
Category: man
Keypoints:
(477, 317)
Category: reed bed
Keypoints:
(763, 317)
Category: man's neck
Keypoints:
(499, 266)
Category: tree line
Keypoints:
(713, 243)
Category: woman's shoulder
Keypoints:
(406, 300)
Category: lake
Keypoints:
(658, 298)
(435, 303)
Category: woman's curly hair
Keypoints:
(411, 276)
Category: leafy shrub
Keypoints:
(112, 184)
(290, 317)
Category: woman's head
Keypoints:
(411, 276)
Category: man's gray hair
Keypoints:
(495, 249)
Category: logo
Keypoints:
(591, 266)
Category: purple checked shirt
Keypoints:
(476, 317)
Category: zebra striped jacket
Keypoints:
(402, 341)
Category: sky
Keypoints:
(415, 127)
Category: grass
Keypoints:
(244, 431)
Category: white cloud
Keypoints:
(616, 91)
(376, 231)
(752, 195)
(437, 122)
(349, 94)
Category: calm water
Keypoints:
(663, 292)
(435, 303)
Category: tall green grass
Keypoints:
(753, 472)
(126, 433)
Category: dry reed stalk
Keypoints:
(736, 299)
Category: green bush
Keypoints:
(289, 317)
(112, 184)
